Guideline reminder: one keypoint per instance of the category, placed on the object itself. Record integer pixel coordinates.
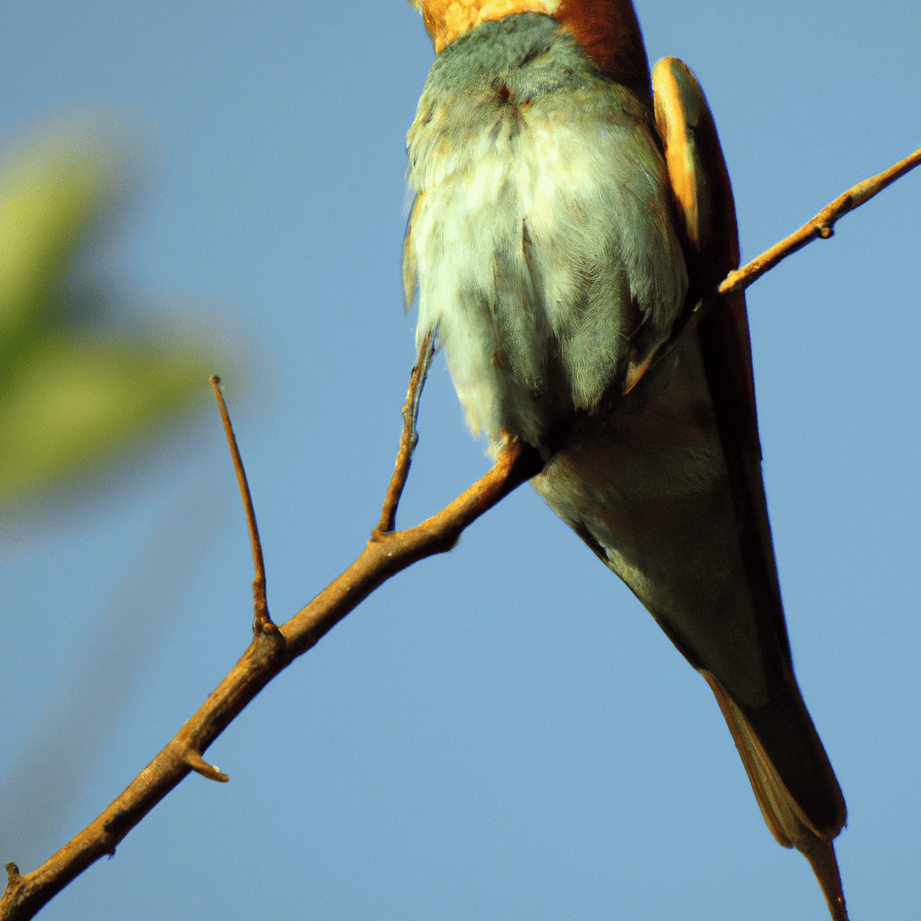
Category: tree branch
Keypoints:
(387, 553)
(822, 226)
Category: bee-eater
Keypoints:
(568, 234)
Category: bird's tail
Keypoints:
(786, 819)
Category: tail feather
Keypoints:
(788, 820)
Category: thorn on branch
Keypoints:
(262, 621)
(195, 761)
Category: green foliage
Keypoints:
(75, 385)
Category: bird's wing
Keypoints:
(666, 488)
(792, 778)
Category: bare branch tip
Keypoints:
(195, 761)
(259, 593)
(408, 439)
(13, 875)
(822, 226)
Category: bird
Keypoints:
(571, 221)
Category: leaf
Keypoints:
(76, 384)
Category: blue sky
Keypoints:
(501, 732)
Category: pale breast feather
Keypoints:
(540, 237)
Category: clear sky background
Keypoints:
(502, 732)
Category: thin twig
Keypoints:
(820, 227)
(408, 440)
(262, 621)
(389, 553)
(384, 556)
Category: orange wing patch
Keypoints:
(680, 109)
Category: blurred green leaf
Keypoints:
(50, 198)
(75, 384)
